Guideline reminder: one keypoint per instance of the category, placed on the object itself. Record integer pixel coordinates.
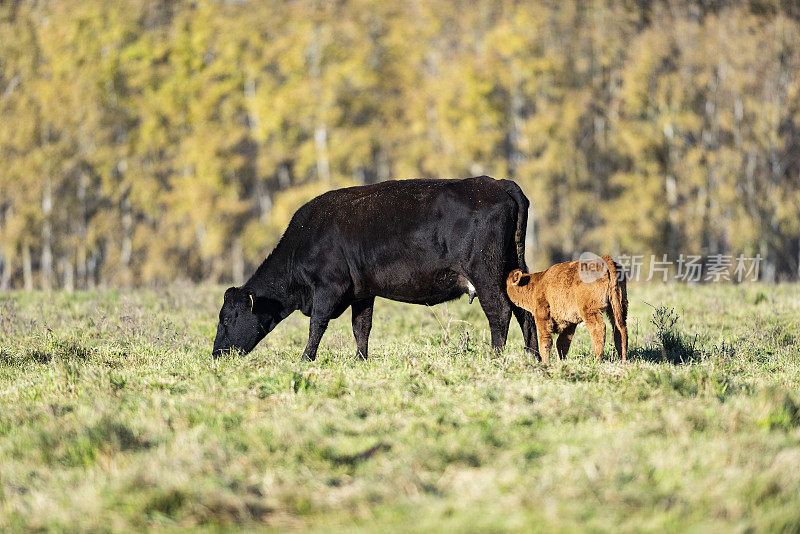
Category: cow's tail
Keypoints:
(618, 298)
(523, 204)
(524, 317)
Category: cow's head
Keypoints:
(244, 320)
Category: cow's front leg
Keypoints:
(329, 303)
(362, 324)
(317, 327)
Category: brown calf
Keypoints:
(566, 294)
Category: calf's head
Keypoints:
(518, 286)
(244, 320)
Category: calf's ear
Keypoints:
(518, 278)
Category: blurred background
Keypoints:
(143, 142)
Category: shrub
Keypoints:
(668, 339)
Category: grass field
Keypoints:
(114, 417)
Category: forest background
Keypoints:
(143, 142)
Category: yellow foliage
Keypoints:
(171, 137)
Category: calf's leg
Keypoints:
(621, 341)
(620, 334)
(565, 340)
(597, 331)
(545, 338)
(362, 324)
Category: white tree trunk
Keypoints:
(47, 235)
(126, 247)
(237, 262)
(321, 129)
(27, 267)
(67, 274)
(321, 144)
(5, 274)
(5, 260)
(82, 231)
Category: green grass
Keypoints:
(114, 417)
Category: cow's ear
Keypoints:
(514, 276)
(229, 293)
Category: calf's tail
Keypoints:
(618, 297)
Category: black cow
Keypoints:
(417, 241)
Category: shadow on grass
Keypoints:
(669, 344)
(29, 357)
(682, 354)
(64, 350)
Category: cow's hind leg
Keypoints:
(515, 260)
(362, 324)
(488, 274)
(528, 326)
(498, 312)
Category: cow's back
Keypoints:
(407, 240)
